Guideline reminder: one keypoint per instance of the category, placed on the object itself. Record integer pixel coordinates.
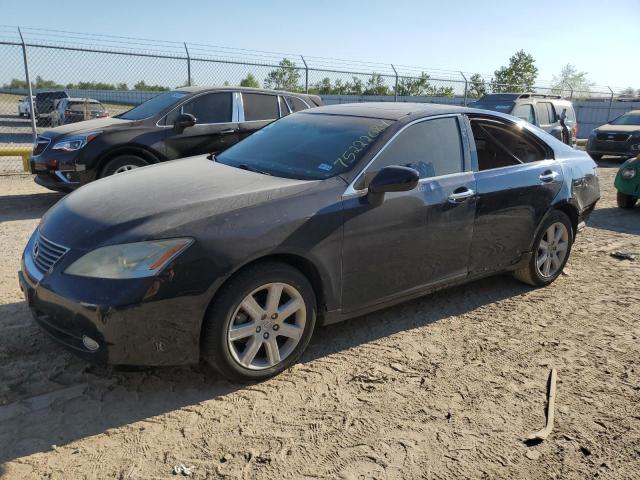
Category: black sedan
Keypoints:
(321, 216)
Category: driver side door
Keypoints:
(415, 239)
(213, 132)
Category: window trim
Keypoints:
(351, 191)
(550, 154)
(281, 97)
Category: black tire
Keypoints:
(530, 273)
(626, 201)
(595, 157)
(122, 161)
(215, 344)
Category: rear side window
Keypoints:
(546, 113)
(502, 145)
(525, 112)
(432, 148)
(260, 107)
(207, 108)
(296, 104)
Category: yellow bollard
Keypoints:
(24, 152)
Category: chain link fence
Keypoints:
(122, 72)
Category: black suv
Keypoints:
(46, 103)
(619, 137)
(180, 123)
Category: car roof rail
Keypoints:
(538, 95)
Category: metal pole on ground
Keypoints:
(26, 74)
(396, 88)
(306, 75)
(188, 65)
(466, 84)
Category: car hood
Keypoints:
(85, 127)
(158, 201)
(618, 128)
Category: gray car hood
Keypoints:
(152, 201)
(618, 128)
(85, 127)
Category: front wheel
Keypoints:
(626, 201)
(551, 249)
(121, 164)
(260, 322)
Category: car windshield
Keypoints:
(504, 107)
(154, 106)
(83, 105)
(627, 119)
(306, 146)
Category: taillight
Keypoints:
(574, 131)
(68, 113)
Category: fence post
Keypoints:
(306, 75)
(188, 65)
(396, 87)
(466, 84)
(570, 91)
(610, 104)
(26, 74)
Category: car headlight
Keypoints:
(75, 142)
(129, 260)
(628, 173)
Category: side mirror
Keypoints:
(184, 120)
(391, 179)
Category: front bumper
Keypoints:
(628, 148)
(132, 322)
(55, 180)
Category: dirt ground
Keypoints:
(443, 387)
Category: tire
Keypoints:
(626, 201)
(532, 273)
(122, 163)
(255, 334)
(595, 157)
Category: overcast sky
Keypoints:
(601, 38)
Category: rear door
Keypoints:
(414, 239)
(517, 180)
(213, 132)
(259, 110)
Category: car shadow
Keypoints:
(102, 398)
(616, 219)
(28, 206)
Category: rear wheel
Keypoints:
(551, 250)
(626, 201)
(260, 323)
(121, 164)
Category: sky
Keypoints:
(600, 38)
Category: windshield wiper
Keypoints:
(250, 168)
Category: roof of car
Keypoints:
(196, 89)
(81, 99)
(387, 110)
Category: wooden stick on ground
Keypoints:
(551, 401)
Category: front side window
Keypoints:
(260, 107)
(431, 147)
(207, 108)
(153, 106)
(525, 112)
(501, 145)
(306, 146)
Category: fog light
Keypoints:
(90, 343)
(628, 173)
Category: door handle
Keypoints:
(229, 130)
(548, 176)
(461, 196)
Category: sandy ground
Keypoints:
(443, 387)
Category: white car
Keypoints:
(72, 110)
(24, 107)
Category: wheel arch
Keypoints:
(148, 154)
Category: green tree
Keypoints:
(15, 83)
(42, 83)
(520, 74)
(376, 86)
(477, 86)
(122, 86)
(285, 77)
(249, 81)
(142, 86)
(414, 87)
(570, 78)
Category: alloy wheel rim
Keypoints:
(125, 168)
(266, 326)
(552, 250)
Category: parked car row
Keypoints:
(287, 215)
